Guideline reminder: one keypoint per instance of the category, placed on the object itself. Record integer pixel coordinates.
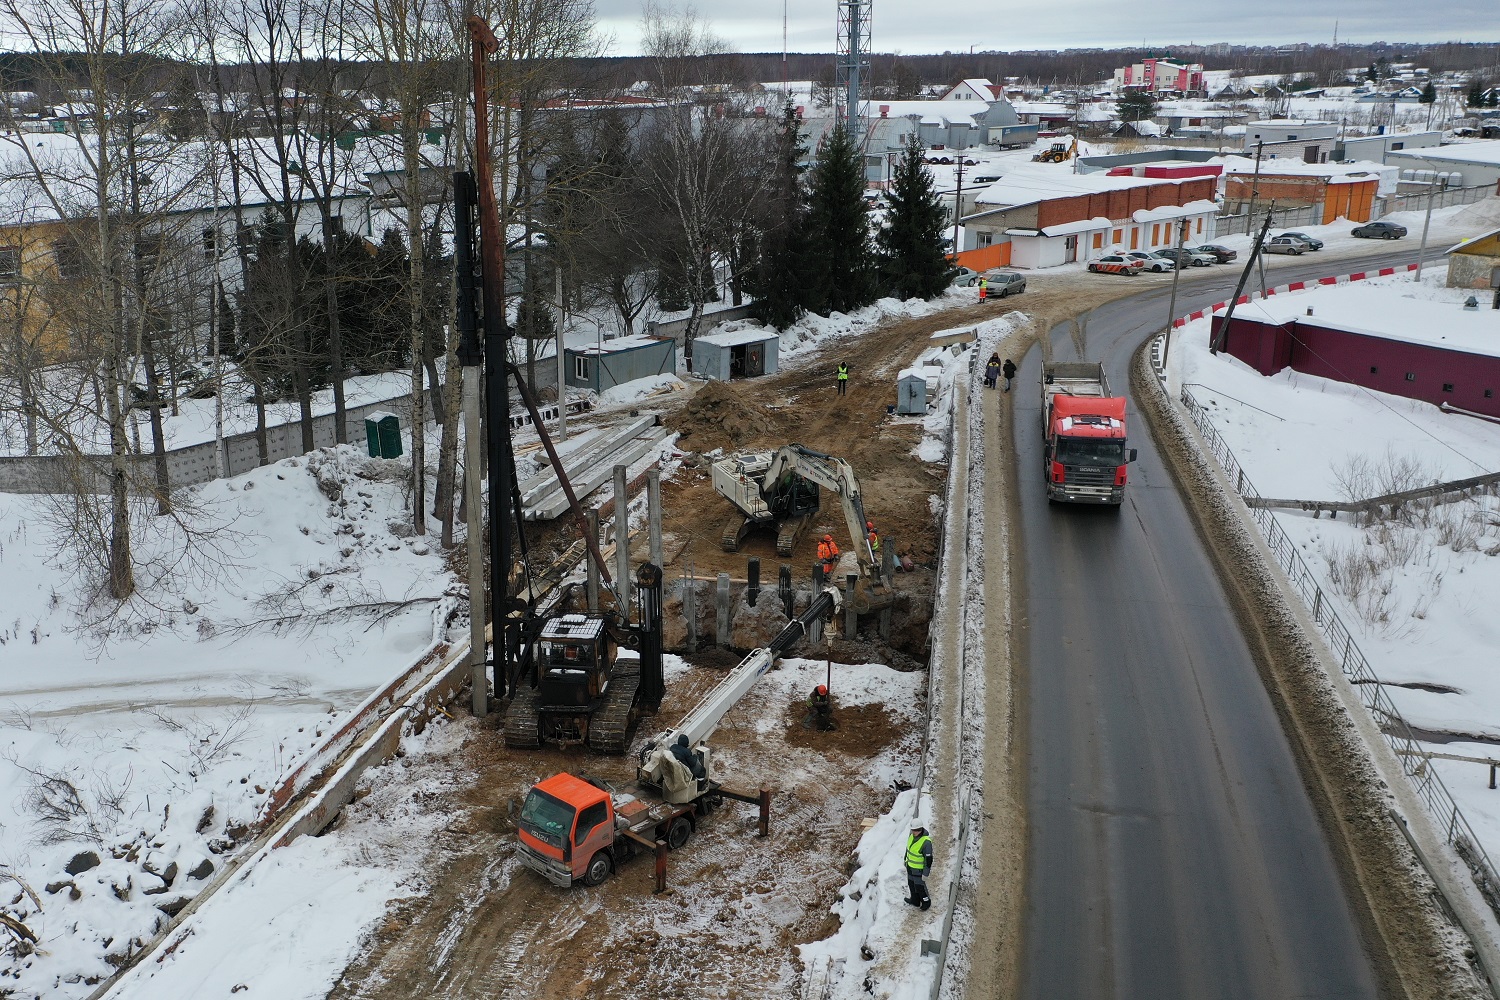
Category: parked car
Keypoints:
(1380, 231)
(1003, 283)
(1115, 263)
(1185, 257)
(1151, 263)
(1284, 244)
(965, 277)
(1222, 255)
(1312, 242)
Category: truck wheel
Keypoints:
(678, 833)
(599, 868)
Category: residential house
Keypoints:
(974, 90)
(1161, 75)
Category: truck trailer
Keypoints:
(1083, 429)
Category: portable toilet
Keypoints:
(383, 435)
(911, 392)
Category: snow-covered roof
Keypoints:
(1289, 123)
(951, 110)
(1283, 166)
(1472, 239)
(1486, 152)
(1391, 313)
(618, 344)
(738, 338)
(1029, 183)
(1168, 212)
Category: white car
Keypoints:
(1150, 262)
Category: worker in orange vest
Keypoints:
(828, 554)
(873, 538)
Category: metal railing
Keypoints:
(1340, 641)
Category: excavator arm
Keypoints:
(836, 476)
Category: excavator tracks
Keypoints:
(609, 727)
(735, 530)
(787, 534)
(522, 726)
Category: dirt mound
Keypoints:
(720, 415)
(862, 730)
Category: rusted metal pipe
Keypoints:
(765, 811)
(661, 866)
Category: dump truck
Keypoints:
(1083, 428)
(575, 829)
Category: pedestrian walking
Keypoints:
(984, 288)
(918, 864)
(1008, 370)
(828, 555)
(992, 371)
(843, 377)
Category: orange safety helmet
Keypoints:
(869, 525)
(822, 689)
(827, 538)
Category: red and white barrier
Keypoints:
(1297, 286)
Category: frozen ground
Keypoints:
(142, 743)
(1417, 589)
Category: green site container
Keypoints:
(383, 435)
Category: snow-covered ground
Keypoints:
(142, 745)
(1415, 590)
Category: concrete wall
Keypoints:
(1472, 270)
(197, 463)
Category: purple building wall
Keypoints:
(1432, 374)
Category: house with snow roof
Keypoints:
(1038, 216)
(974, 90)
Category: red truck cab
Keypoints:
(1086, 455)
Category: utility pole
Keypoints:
(1254, 188)
(1426, 223)
(562, 368)
(1182, 230)
(958, 207)
(471, 357)
(1215, 341)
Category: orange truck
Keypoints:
(1084, 434)
(576, 830)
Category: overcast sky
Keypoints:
(925, 26)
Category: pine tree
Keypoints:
(779, 282)
(913, 263)
(1136, 105)
(841, 271)
(1476, 94)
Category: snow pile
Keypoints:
(138, 748)
(296, 919)
(870, 911)
(1412, 588)
(640, 389)
(813, 332)
(936, 439)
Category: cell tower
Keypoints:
(853, 47)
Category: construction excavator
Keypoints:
(781, 489)
(1061, 152)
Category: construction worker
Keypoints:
(828, 554)
(984, 288)
(820, 707)
(843, 377)
(918, 864)
(874, 538)
(1008, 371)
(683, 751)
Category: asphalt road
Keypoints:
(1174, 852)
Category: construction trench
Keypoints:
(737, 905)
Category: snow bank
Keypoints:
(150, 740)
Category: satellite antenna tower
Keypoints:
(853, 47)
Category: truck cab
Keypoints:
(567, 831)
(1084, 435)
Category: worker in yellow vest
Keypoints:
(918, 864)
